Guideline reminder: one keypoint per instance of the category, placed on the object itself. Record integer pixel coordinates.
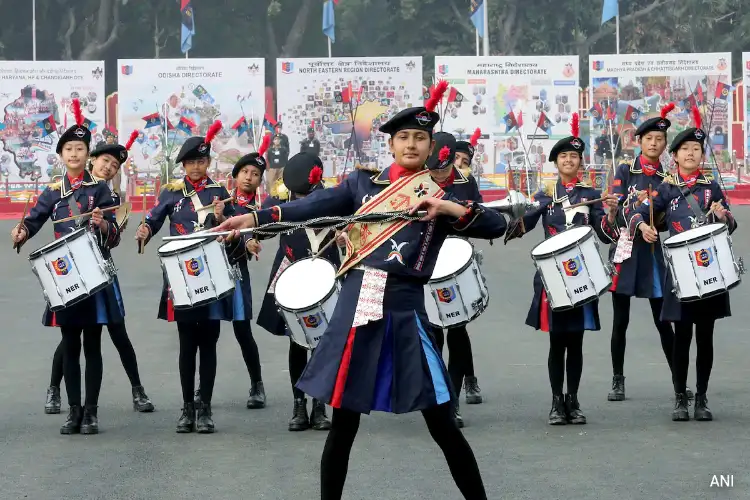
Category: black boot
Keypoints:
(52, 406)
(141, 403)
(318, 417)
(90, 422)
(186, 423)
(557, 413)
(680, 412)
(473, 392)
(73, 424)
(573, 410)
(197, 398)
(618, 389)
(689, 393)
(457, 416)
(702, 412)
(257, 397)
(205, 423)
(299, 420)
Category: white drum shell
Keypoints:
(306, 294)
(461, 296)
(710, 244)
(578, 285)
(212, 280)
(85, 270)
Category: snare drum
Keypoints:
(71, 269)
(197, 271)
(456, 293)
(306, 293)
(702, 262)
(572, 269)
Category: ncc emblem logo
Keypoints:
(597, 65)
(287, 67)
(126, 70)
(443, 69)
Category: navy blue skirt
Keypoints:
(542, 317)
(642, 275)
(105, 307)
(390, 365)
(220, 310)
(242, 302)
(709, 309)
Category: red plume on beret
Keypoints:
(312, 124)
(574, 126)
(131, 140)
(315, 175)
(697, 117)
(264, 145)
(445, 153)
(665, 110)
(436, 95)
(77, 113)
(212, 131)
(475, 137)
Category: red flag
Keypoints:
(699, 93)
(519, 119)
(454, 95)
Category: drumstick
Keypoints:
(584, 203)
(17, 246)
(651, 211)
(73, 217)
(327, 245)
(214, 204)
(141, 246)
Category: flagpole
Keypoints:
(33, 27)
(329, 47)
(617, 28)
(477, 33)
(186, 54)
(486, 28)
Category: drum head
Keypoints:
(692, 234)
(305, 283)
(560, 241)
(57, 243)
(175, 246)
(454, 254)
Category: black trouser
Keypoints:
(344, 425)
(194, 335)
(704, 358)
(92, 349)
(460, 357)
(620, 321)
(297, 364)
(244, 334)
(560, 344)
(121, 341)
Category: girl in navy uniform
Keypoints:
(566, 327)
(106, 160)
(671, 199)
(640, 270)
(79, 193)
(378, 352)
(302, 176)
(443, 164)
(248, 172)
(198, 327)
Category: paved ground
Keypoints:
(629, 450)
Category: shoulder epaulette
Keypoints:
(671, 179)
(55, 186)
(583, 184)
(368, 168)
(548, 188)
(175, 185)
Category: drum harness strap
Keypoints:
(700, 216)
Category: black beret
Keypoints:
(411, 119)
(465, 147)
(115, 150)
(253, 159)
(298, 171)
(656, 124)
(194, 147)
(74, 133)
(688, 135)
(570, 143)
(442, 140)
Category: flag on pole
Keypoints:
(477, 16)
(610, 9)
(241, 126)
(723, 90)
(188, 25)
(329, 20)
